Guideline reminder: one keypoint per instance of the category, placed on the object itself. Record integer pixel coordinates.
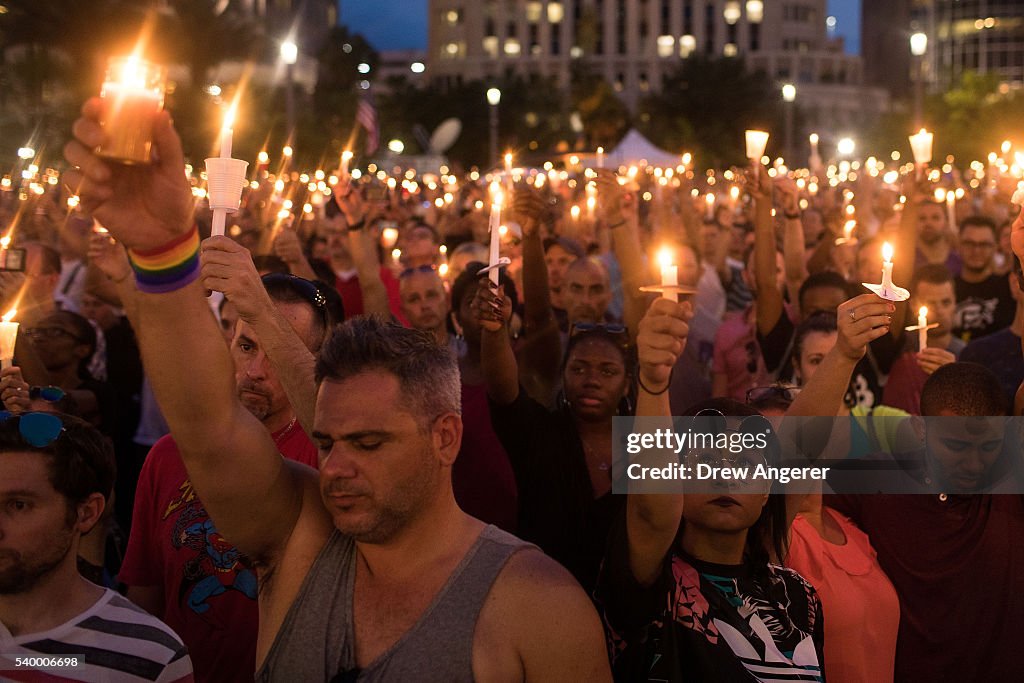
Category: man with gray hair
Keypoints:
(368, 570)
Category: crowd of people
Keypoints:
(297, 454)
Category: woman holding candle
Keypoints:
(561, 457)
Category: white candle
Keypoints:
(922, 328)
(669, 274)
(574, 212)
(346, 157)
(921, 145)
(226, 138)
(8, 336)
(600, 157)
(508, 173)
(709, 200)
(951, 208)
(495, 229)
(887, 266)
(757, 141)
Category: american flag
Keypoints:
(366, 116)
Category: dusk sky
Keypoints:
(402, 24)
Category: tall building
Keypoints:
(635, 43)
(885, 44)
(986, 36)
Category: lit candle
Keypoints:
(574, 211)
(709, 200)
(494, 227)
(922, 328)
(591, 205)
(669, 274)
(508, 173)
(951, 208)
(346, 157)
(600, 157)
(8, 336)
(757, 141)
(226, 136)
(388, 237)
(921, 145)
(886, 266)
(133, 95)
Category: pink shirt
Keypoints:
(862, 611)
(737, 353)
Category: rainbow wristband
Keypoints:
(168, 267)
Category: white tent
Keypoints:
(636, 149)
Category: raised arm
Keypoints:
(620, 215)
(501, 373)
(362, 244)
(227, 267)
(652, 519)
(288, 246)
(769, 298)
(1017, 244)
(540, 354)
(251, 494)
(793, 248)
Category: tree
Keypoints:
(705, 106)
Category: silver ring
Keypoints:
(853, 314)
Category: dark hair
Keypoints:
(270, 263)
(823, 322)
(619, 341)
(567, 243)
(80, 460)
(822, 280)
(967, 389)
(465, 285)
(770, 532)
(428, 374)
(932, 273)
(977, 221)
(325, 301)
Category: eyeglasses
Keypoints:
(50, 333)
(51, 393)
(307, 289)
(780, 392)
(38, 429)
(418, 269)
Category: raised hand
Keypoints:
(108, 256)
(14, 391)
(530, 207)
(491, 308)
(288, 246)
(661, 339)
(931, 359)
(227, 267)
(861, 320)
(611, 197)
(143, 206)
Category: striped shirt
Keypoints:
(115, 641)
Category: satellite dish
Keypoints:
(445, 136)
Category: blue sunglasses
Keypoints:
(38, 429)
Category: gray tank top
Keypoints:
(315, 642)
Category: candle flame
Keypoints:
(229, 116)
(346, 155)
(9, 316)
(887, 252)
(665, 257)
(508, 159)
(940, 195)
(575, 212)
(287, 151)
(442, 270)
(923, 313)
(709, 198)
(814, 138)
(848, 229)
(262, 157)
(5, 242)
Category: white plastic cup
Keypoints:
(225, 180)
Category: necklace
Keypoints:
(285, 432)
(591, 457)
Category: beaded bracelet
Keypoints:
(168, 267)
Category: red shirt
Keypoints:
(352, 294)
(209, 589)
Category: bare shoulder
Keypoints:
(537, 615)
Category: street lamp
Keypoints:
(789, 96)
(494, 99)
(290, 55)
(918, 47)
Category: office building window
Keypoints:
(533, 11)
(555, 12)
(687, 44)
(666, 45)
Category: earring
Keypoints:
(626, 406)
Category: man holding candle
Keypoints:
(932, 288)
(397, 558)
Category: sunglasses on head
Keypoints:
(307, 289)
(610, 329)
(38, 429)
(51, 393)
(779, 392)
